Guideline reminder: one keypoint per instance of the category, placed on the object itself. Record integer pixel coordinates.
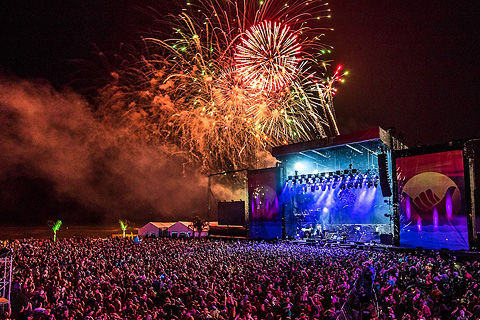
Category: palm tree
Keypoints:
(198, 225)
(124, 225)
(55, 228)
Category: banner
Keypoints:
(431, 190)
(265, 211)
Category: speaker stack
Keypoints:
(384, 176)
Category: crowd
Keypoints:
(211, 279)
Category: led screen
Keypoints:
(431, 192)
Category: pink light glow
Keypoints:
(408, 208)
(435, 217)
(448, 204)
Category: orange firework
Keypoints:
(233, 80)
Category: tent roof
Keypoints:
(166, 225)
(163, 225)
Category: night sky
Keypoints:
(412, 65)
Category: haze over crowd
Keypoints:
(61, 162)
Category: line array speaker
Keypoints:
(384, 176)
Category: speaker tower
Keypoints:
(384, 176)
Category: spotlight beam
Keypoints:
(320, 154)
(370, 151)
(307, 156)
(355, 149)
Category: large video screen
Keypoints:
(265, 213)
(231, 213)
(431, 191)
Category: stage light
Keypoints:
(299, 166)
(354, 171)
(345, 171)
(290, 178)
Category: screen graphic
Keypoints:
(265, 213)
(431, 190)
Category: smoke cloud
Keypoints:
(59, 161)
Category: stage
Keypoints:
(339, 191)
(367, 187)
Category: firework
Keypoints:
(268, 56)
(233, 80)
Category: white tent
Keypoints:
(177, 229)
(156, 229)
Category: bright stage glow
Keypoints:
(299, 166)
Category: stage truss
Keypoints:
(6, 269)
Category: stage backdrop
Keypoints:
(431, 191)
(265, 211)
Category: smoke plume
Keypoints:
(59, 161)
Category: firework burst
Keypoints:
(268, 56)
(235, 79)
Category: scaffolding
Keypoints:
(6, 268)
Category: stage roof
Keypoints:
(378, 134)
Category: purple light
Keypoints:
(419, 224)
(370, 197)
(408, 208)
(448, 204)
(435, 217)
